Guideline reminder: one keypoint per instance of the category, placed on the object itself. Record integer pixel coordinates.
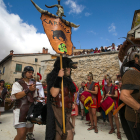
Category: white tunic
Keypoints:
(15, 89)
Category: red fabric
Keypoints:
(97, 51)
(44, 87)
(39, 75)
(84, 96)
(107, 103)
(117, 98)
(76, 110)
(103, 82)
(94, 105)
(73, 112)
(99, 97)
(76, 87)
(87, 117)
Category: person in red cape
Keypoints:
(104, 82)
(112, 91)
(94, 89)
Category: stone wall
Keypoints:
(99, 64)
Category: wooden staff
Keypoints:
(62, 93)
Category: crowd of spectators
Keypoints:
(99, 50)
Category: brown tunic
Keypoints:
(131, 81)
(57, 108)
(3, 95)
(112, 92)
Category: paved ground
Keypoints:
(7, 131)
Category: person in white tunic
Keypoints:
(24, 93)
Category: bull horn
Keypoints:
(38, 8)
(70, 23)
(41, 10)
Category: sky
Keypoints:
(102, 22)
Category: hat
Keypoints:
(28, 68)
(66, 63)
(129, 50)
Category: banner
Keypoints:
(58, 34)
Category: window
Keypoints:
(36, 60)
(16, 79)
(18, 68)
(3, 70)
(40, 70)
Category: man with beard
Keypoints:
(24, 93)
(112, 91)
(54, 127)
(94, 89)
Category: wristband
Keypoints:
(26, 91)
(57, 83)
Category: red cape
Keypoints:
(117, 99)
(99, 97)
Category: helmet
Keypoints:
(129, 51)
(27, 68)
(67, 63)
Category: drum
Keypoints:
(86, 99)
(107, 105)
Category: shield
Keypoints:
(58, 34)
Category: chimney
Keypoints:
(46, 51)
(74, 47)
(11, 52)
(43, 50)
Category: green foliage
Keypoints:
(101, 87)
(137, 22)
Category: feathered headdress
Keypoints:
(39, 75)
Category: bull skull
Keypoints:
(60, 14)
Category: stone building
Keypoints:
(135, 28)
(99, 64)
(11, 66)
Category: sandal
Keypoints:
(91, 128)
(119, 135)
(96, 129)
(88, 123)
(112, 131)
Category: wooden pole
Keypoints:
(62, 92)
